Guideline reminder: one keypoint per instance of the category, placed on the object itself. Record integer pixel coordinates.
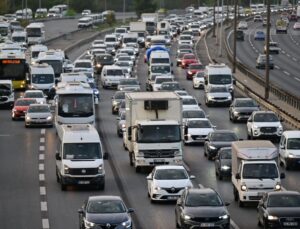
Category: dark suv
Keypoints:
(101, 60)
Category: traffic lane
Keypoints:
(58, 27)
(63, 205)
(19, 169)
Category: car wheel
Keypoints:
(131, 158)
(63, 187)
(287, 165)
(101, 186)
(137, 169)
(205, 152)
(235, 194)
(220, 176)
(119, 134)
(230, 117)
(57, 177)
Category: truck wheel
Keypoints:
(138, 170)
(240, 203)
(235, 194)
(220, 176)
(287, 165)
(57, 177)
(101, 186)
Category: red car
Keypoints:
(193, 69)
(20, 107)
(188, 59)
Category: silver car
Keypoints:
(121, 119)
(218, 96)
(133, 84)
(38, 115)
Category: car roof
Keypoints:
(169, 167)
(201, 190)
(104, 197)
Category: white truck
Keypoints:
(139, 27)
(254, 170)
(151, 20)
(153, 133)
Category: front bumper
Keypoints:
(146, 162)
(87, 180)
(167, 194)
(206, 223)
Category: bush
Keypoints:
(111, 19)
(71, 12)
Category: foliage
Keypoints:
(71, 12)
(111, 19)
(144, 6)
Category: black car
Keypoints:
(240, 35)
(223, 162)
(104, 212)
(115, 100)
(201, 208)
(216, 140)
(242, 108)
(102, 60)
(279, 210)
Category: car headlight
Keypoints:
(228, 97)
(49, 118)
(100, 169)
(190, 72)
(98, 65)
(157, 188)
(244, 187)
(127, 223)
(115, 103)
(291, 155)
(96, 92)
(177, 153)
(187, 217)
(278, 187)
(235, 112)
(212, 147)
(225, 167)
(272, 217)
(88, 224)
(66, 169)
(28, 118)
(224, 216)
(123, 126)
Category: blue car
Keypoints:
(259, 35)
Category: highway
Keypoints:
(20, 170)
(286, 71)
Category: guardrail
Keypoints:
(282, 95)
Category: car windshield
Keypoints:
(119, 95)
(170, 86)
(225, 154)
(38, 109)
(189, 57)
(42, 78)
(161, 69)
(124, 58)
(220, 79)
(83, 65)
(200, 75)
(106, 206)
(34, 95)
(81, 151)
(25, 102)
(223, 137)
(110, 39)
(159, 134)
(185, 38)
(260, 171)
(245, 103)
(161, 80)
(199, 124)
(123, 64)
(203, 199)
(293, 143)
(196, 67)
(129, 82)
(284, 200)
(265, 117)
(190, 101)
(218, 89)
(170, 174)
(115, 72)
(193, 114)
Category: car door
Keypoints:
(179, 207)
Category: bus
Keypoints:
(13, 66)
(35, 33)
(74, 104)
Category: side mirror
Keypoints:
(237, 176)
(179, 202)
(282, 175)
(80, 211)
(105, 156)
(130, 210)
(57, 157)
(192, 177)
(281, 146)
(149, 177)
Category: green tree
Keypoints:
(144, 6)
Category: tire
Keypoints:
(63, 187)
(235, 194)
(287, 166)
(205, 153)
(57, 177)
(240, 203)
(101, 186)
(131, 158)
(119, 134)
(220, 176)
(138, 169)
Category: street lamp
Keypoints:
(267, 73)
(124, 6)
(221, 30)
(234, 36)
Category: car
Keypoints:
(129, 83)
(121, 107)
(181, 92)
(193, 69)
(216, 140)
(242, 25)
(279, 210)
(189, 102)
(296, 26)
(198, 80)
(273, 48)
(265, 22)
(217, 95)
(188, 59)
(240, 35)
(258, 18)
(197, 208)
(185, 39)
(170, 86)
(38, 95)
(196, 130)
(115, 100)
(223, 162)
(264, 124)
(180, 55)
(121, 120)
(192, 114)
(167, 182)
(20, 107)
(259, 35)
(261, 61)
(125, 65)
(293, 17)
(101, 211)
(38, 115)
(241, 109)
(159, 80)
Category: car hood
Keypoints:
(38, 115)
(267, 124)
(219, 94)
(205, 211)
(172, 183)
(21, 108)
(200, 131)
(284, 212)
(112, 218)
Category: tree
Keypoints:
(144, 6)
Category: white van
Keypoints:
(111, 76)
(35, 33)
(289, 149)
(35, 50)
(79, 156)
(159, 57)
(41, 77)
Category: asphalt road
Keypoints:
(286, 72)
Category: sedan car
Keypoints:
(198, 80)
(296, 26)
(189, 102)
(273, 48)
(180, 55)
(216, 140)
(20, 108)
(223, 162)
(261, 61)
(243, 25)
(279, 210)
(167, 182)
(170, 86)
(38, 115)
(104, 212)
(129, 83)
(188, 59)
(38, 95)
(196, 130)
(193, 69)
(259, 36)
(241, 109)
(192, 114)
(121, 120)
(217, 96)
(201, 208)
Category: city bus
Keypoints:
(13, 66)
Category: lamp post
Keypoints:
(221, 29)
(124, 8)
(214, 24)
(234, 36)
(267, 73)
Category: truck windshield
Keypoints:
(75, 105)
(81, 151)
(42, 78)
(220, 79)
(260, 171)
(56, 65)
(159, 134)
(161, 69)
(160, 61)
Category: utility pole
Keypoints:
(218, 20)
(214, 25)
(267, 73)
(234, 36)
(221, 30)
(124, 8)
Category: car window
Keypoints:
(170, 174)
(265, 117)
(38, 109)
(223, 137)
(205, 199)
(199, 124)
(284, 201)
(293, 143)
(245, 103)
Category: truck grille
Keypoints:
(158, 154)
(83, 171)
(268, 129)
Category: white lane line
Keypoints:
(288, 55)
(287, 73)
(43, 131)
(283, 51)
(4, 135)
(42, 157)
(44, 207)
(277, 67)
(42, 148)
(41, 177)
(295, 59)
(233, 224)
(296, 78)
(41, 167)
(45, 223)
(186, 167)
(201, 185)
(42, 140)
(42, 191)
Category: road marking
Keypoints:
(42, 140)
(4, 135)
(277, 67)
(41, 167)
(44, 206)
(201, 185)
(296, 78)
(42, 191)
(186, 167)
(295, 59)
(43, 131)
(41, 177)
(233, 224)
(283, 51)
(288, 55)
(287, 73)
(42, 148)
(45, 223)
(42, 157)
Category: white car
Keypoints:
(264, 124)
(167, 182)
(38, 95)
(196, 130)
(198, 80)
(217, 95)
(192, 114)
(159, 80)
(243, 25)
(189, 102)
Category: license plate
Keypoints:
(207, 225)
(83, 182)
(172, 197)
(159, 160)
(290, 224)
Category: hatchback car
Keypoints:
(167, 182)
(241, 109)
(38, 115)
(198, 80)
(296, 26)
(279, 210)
(201, 208)
(115, 100)
(104, 212)
(259, 36)
(38, 95)
(188, 59)
(192, 114)
(20, 108)
(223, 162)
(216, 140)
(243, 25)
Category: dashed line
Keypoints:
(287, 73)
(42, 191)
(42, 140)
(288, 55)
(295, 59)
(43, 131)
(201, 185)
(41, 177)
(186, 167)
(44, 206)
(42, 148)
(41, 157)
(296, 78)
(45, 223)
(277, 67)
(233, 224)
(41, 167)
(283, 51)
